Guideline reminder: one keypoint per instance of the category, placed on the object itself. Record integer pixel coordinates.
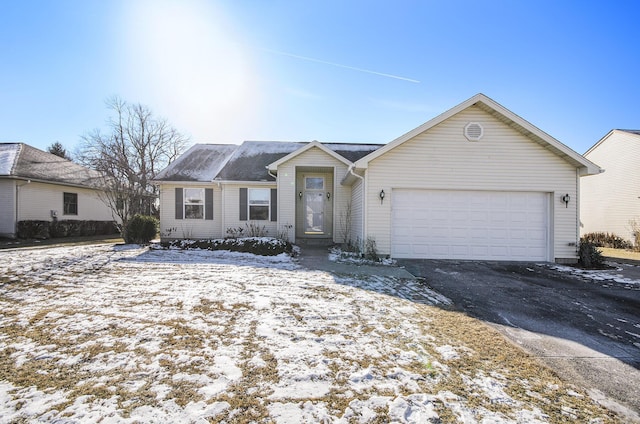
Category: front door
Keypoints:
(314, 198)
(314, 208)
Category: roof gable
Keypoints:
(633, 133)
(502, 114)
(20, 160)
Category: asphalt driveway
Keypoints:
(588, 331)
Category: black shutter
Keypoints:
(208, 203)
(179, 208)
(244, 201)
(274, 204)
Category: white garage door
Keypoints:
(488, 225)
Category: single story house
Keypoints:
(611, 200)
(476, 182)
(39, 186)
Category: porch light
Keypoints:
(300, 195)
(328, 195)
(381, 196)
(566, 198)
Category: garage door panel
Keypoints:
(470, 225)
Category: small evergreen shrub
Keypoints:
(590, 256)
(31, 229)
(601, 239)
(264, 246)
(141, 229)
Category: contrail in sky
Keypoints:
(353, 68)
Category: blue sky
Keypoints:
(350, 71)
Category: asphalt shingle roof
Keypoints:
(247, 162)
(19, 160)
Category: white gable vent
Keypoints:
(473, 131)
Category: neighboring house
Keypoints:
(476, 182)
(611, 201)
(36, 185)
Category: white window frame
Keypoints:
(186, 202)
(259, 203)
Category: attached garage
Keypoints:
(457, 224)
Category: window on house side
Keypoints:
(70, 204)
(259, 203)
(193, 203)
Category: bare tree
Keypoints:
(56, 148)
(136, 147)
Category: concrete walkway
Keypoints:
(317, 257)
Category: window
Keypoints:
(193, 203)
(70, 203)
(259, 199)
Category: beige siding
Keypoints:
(357, 208)
(7, 208)
(609, 201)
(503, 160)
(314, 157)
(172, 228)
(37, 200)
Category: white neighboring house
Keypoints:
(611, 201)
(36, 185)
(476, 182)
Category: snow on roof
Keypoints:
(201, 162)
(23, 161)
(247, 162)
(8, 154)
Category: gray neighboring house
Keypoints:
(475, 182)
(36, 185)
(611, 200)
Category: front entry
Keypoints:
(314, 208)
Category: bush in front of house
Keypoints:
(601, 239)
(141, 229)
(33, 229)
(589, 256)
(264, 246)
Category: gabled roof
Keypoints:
(609, 134)
(503, 114)
(249, 161)
(343, 152)
(19, 160)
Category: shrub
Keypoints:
(30, 229)
(263, 246)
(590, 256)
(141, 229)
(601, 239)
(33, 229)
(370, 250)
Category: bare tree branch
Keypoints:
(136, 147)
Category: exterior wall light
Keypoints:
(566, 198)
(328, 195)
(300, 195)
(382, 194)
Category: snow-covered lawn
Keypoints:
(127, 334)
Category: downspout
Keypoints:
(222, 209)
(577, 211)
(364, 201)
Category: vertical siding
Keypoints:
(37, 200)
(357, 221)
(609, 201)
(172, 228)
(503, 160)
(287, 199)
(7, 208)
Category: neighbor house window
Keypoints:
(70, 203)
(193, 203)
(259, 199)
